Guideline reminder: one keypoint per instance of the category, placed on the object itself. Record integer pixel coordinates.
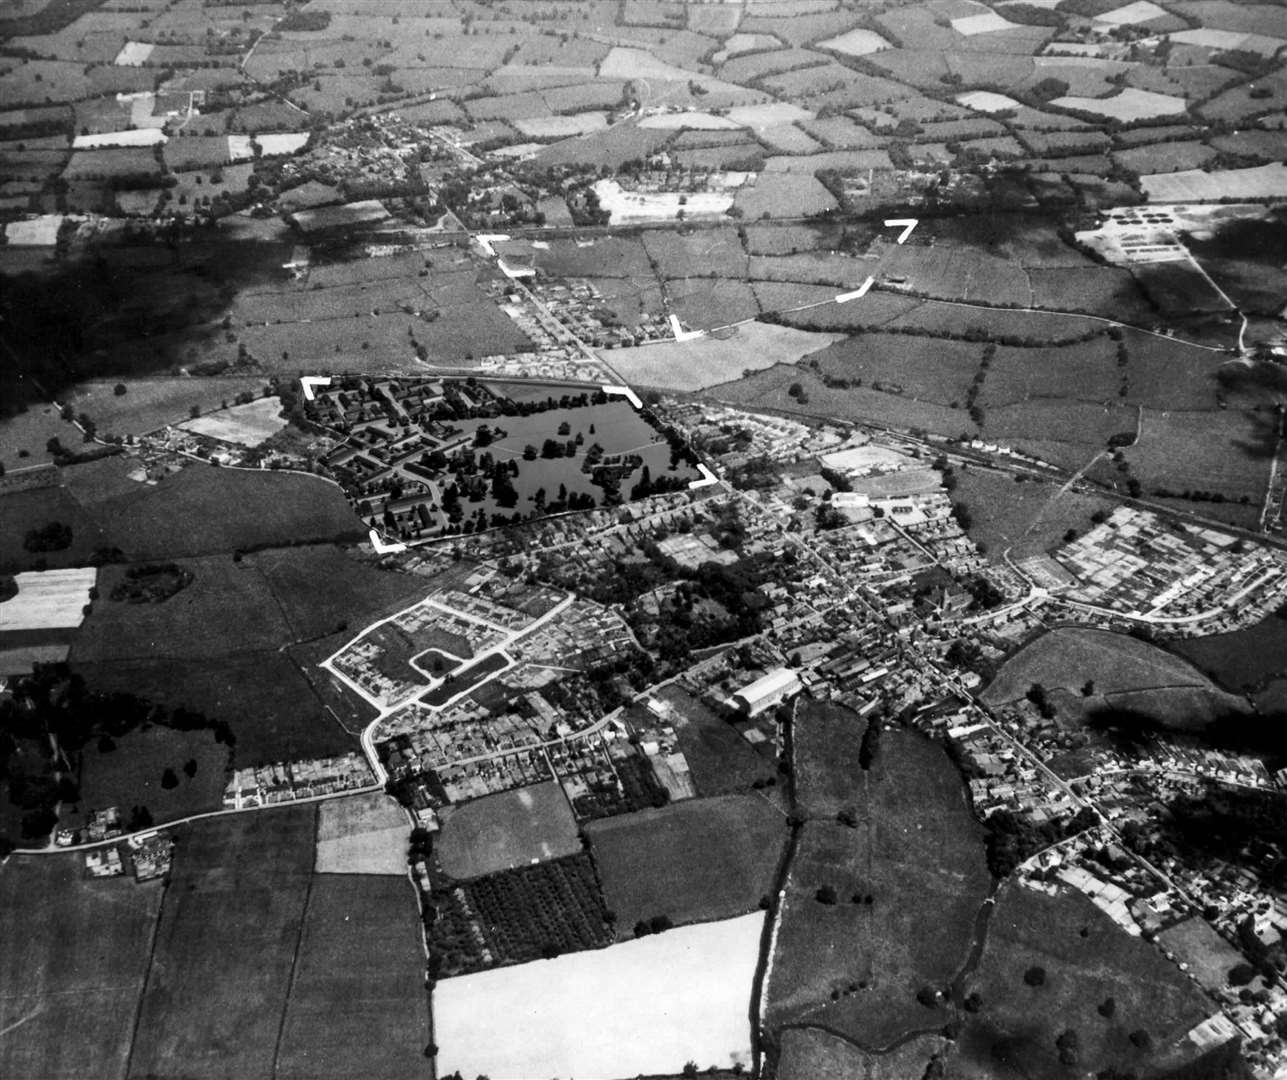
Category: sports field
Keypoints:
(695, 860)
(509, 829)
(245, 425)
(73, 959)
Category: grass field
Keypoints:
(919, 367)
(72, 967)
(271, 707)
(813, 1054)
(854, 966)
(1227, 451)
(1027, 518)
(22, 511)
(202, 510)
(226, 945)
(131, 775)
(357, 1005)
(1018, 1024)
(708, 361)
(1244, 659)
(719, 759)
(244, 425)
(362, 834)
(148, 404)
(30, 432)
(1208, 955)
(639, 1008)
(505, 830)
(693, 861)
(826, 740)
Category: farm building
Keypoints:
(766, 692)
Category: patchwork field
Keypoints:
(693, 861)
(72, 967)
(509, 829)
(362, 834)
(640, 1007)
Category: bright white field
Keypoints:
(701, 121)
(245, 425)
(708, 361)
(141, 137)
(241, 148)
(1138, 12)
(286, 142)
(362, 834)
(744, 43)
(1130, 104)
(856, 43)
(1194, 185)
(48, 600)
(986, 101)
(987, 23)
(39, 231)
(658, 205)
(134, 54)
(548, 127)
(645, 1006)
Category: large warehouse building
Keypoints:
(766, 692)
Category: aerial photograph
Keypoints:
(643, 539)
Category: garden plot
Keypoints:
(635, 1008)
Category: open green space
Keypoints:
(827, 750)
(23, 513)
(73, 961)
(880, 900)
(1244, 659)
(358, 1004)
(226, 946)
(1085, 959)
(1023, 518)
(692, 861)
(148, 404)
(1089, 672)
(505, 830)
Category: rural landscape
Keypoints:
(643, 539)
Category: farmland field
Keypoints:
(1086, 959)
(1226, 452)
(226, 945)
(23, 511)
(693, 861)
(72, 967)
(362, 834)
(505, 830)
(202, 510)
(640, 1007)
(245, 425)
(1244, 659)
(826, 741)
(708, 361)
(357, 1004)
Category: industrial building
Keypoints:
(766, 692)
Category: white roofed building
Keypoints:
(766, 692)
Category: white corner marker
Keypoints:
(381, 548)
(680, 333)
(857, 294)
(310, 381)
(907, 224)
